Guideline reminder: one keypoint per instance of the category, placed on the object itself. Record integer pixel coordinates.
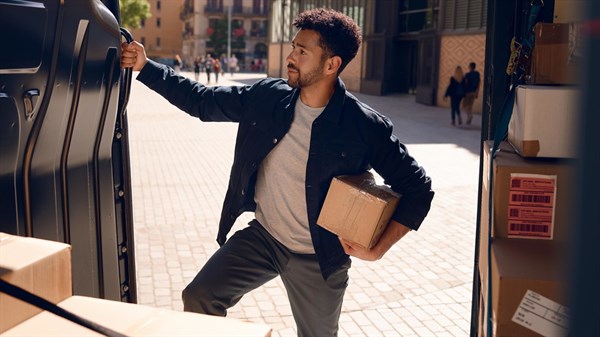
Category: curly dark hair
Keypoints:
(340, 35)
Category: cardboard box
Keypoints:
(482, 316)
(544, 121)
(520, 269)
(134, 320)
(38, 266)
(551, 59)
(357, 209)
(566, 11)
(484, 238)
(531, 197)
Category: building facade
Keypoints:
(207, 23)
(409, 46)
(161, 32)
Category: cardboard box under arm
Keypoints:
(357, 209)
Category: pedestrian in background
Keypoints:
(223, 64)
(293, 137)
(197, 65)
(177, 64)
(472, 80)
(233, 64)
(217, 69)
(208, 66)
(456, 92)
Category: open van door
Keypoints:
(64, 158)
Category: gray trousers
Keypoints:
(249, 259)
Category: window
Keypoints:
(417, 15)
(142, 23)
(259, 28)
(157, 22)
(465, 14)
(215, 3)
(283, 30)
(259, 7)
(237, 6)
(143, 40)
(158, 41)
(158, 5)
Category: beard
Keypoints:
(299, 80)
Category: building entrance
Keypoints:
(404, 67)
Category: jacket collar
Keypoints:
(333, 109)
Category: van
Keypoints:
(64, 152)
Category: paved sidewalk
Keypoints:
(422, 286)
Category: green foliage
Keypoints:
(133, 11)
(218, 37)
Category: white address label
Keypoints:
(542, 315)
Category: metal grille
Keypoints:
(465, 14)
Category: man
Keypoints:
(233, 64)
(293, 138)
(208, 67)
(472, 80)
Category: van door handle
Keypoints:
(30, 98)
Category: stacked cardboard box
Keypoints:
(544, 121)
(38, 266)
(525, 209)
(545, 113)
(526, 219)
(554, 57)
(44, 268)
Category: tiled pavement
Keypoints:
(422, 286)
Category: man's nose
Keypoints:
(290, 57)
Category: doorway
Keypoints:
(404, 67)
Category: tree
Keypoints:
(134, 11)
(218, 36)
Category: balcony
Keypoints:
(238, 11)
(262, 12)
(209, 9)
(187, 33)
(187, 10)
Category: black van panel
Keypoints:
(64, 165)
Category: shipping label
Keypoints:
(542, 315)
(531, 205)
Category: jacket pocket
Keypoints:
(348, 158)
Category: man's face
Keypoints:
(306, 60)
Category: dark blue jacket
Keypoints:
(349, 137)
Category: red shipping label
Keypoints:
(531, 205)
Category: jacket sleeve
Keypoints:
(391, 160)
(217, 104)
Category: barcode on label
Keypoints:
(531, 228)
(530, 198)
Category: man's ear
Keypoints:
(333, 65)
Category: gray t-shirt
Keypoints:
(280, 186)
